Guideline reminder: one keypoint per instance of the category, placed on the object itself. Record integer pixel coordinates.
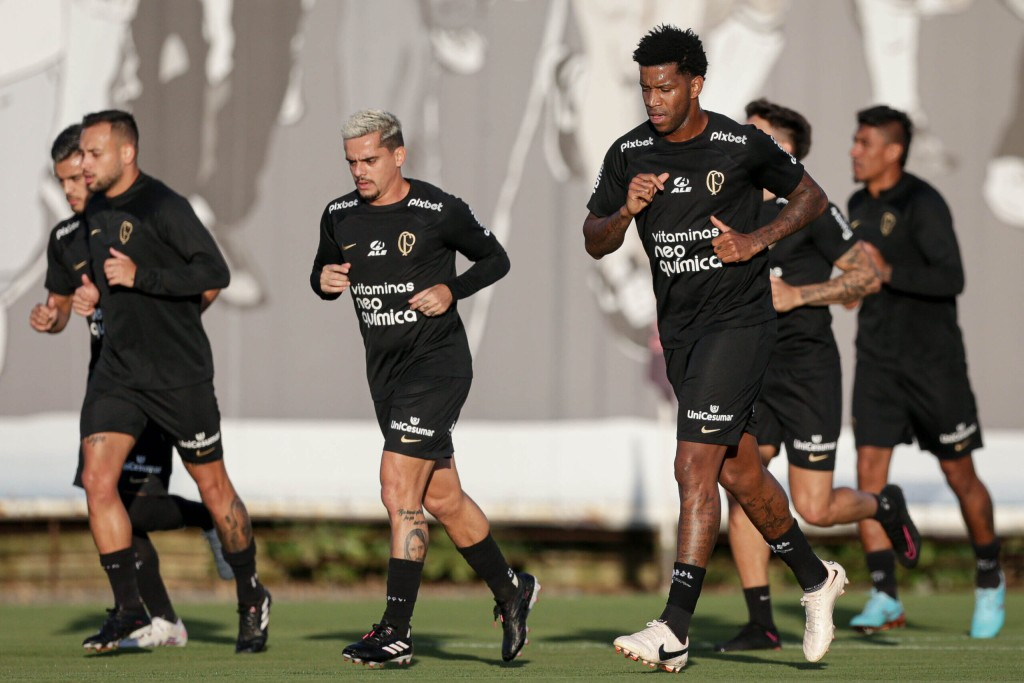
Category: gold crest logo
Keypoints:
(854, 224)
(714, 182)
(888, 223)
(405, 242)
(125, 232)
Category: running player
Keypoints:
(801, 400)
(911, 378)
(392, 243)
(693, 181)
(152, 261)
(145, 478)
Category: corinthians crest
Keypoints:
(405, 242)
(125, 233)
(714, 181)
(888, 223)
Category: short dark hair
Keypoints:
(121, 122)
(666, 44)
(787, 120)
(67, 143)
(895, 124)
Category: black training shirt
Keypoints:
(806, 257)
(396, 251)
(67, 260)
(154, 336)
(914, 318)
(720, 172)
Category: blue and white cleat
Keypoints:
(883, 612)
(989, 610)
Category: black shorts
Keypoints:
(802, 408)
(933, 404)
(188, 415)
(716, 380)
(418, 418)
(148, 467)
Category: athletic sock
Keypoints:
(151, 586)
(247, 583)
(792, 547)
(759, 606)
(987, 565)
(687, 581)
(404, 578)
(882, 565)
(486, 560)
(120, 568)
(886, 511)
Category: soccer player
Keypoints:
(693, 181)
(392, 243)
(152, 260)
(911, 378)
(143, 484)
(801, 399)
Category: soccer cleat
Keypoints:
(899, 527)
(224, 569)
(989, 611)
(883, 612)
(752, 637)
(254, 625)
(513, 616)
(382, 645)
(818, 605)
(118, 626)
(656, 646)
(159, 633)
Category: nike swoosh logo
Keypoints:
(406, 439)
(200, 454)
(349, 246)
(817, 458)
(962, 445)
(96, 231)
(138, 481)
(705, 430)
(80, 265)
(662, 655)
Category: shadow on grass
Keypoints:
(426, 644)
(199, 630)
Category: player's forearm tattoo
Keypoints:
(806, 203)
(859, 279)
(237, 528)
(605, 235)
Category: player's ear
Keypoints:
(128, 153)
(696, 86)
(399, 156)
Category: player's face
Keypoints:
(72, 181)
(376, 170)
(103, 162)
(668, 96)
(873, 154)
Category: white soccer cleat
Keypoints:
(224, 569)
(819, 629)
(656, 646)
(159, 633)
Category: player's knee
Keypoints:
(100, 486)
(443, 507)
(816, 512)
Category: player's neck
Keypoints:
(694, 124)
(884, 181)
(395, 193)
(127, 179)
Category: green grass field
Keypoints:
(570, 639)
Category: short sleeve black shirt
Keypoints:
(396, 251)
(154, 336)
(913, 320)
(806, 257)
(720, 173)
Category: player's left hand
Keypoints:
(731, 246)
(433, 301)
(119, 269)
(785, 297)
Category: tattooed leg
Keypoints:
(103, 456)
(226, 508)
(697, 467)
(756, 490)
(403, 483)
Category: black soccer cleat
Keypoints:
(752, 637)
(513, 614)
(899, 527)
(254, 625)
(119, 625)
(382, 645)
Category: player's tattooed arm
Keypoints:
(805, 203)
(859, 279)
(604, 234)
